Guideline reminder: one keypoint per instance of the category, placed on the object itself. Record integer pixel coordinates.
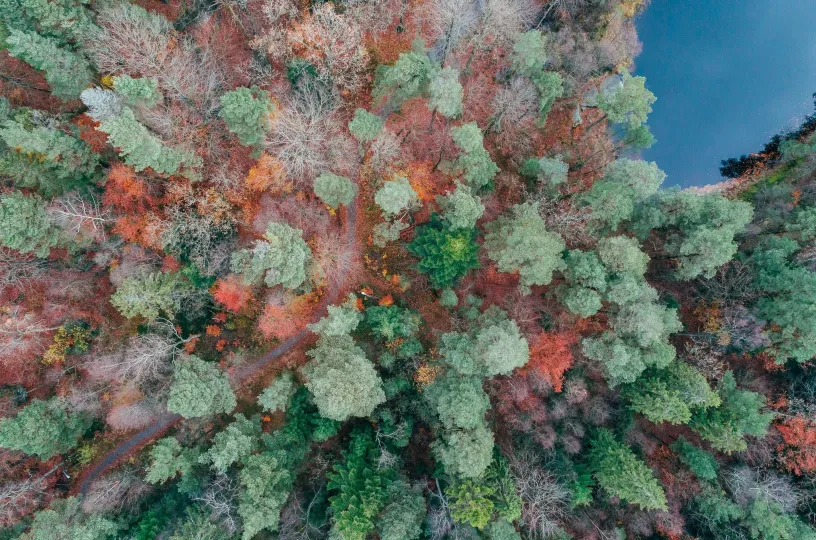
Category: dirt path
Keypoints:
(164, 422)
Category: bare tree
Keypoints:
(219, 498)
(513, 103)
(119, 490)
(81, 218)
(449, 21)
(17, 269)
(545, 500)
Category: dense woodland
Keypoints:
(386, 269)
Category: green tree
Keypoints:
(277, 395)
(622, 474)
(389, 323)
(386, 232)
(63, 20)
(671, 394)
(407, 78)
(281, 258)
(404, 514)
(334, 189)
(43, 428)
(341, 320)
(365, 127)
(396, 197)
(265, 486)
(150, 295)
(586, 281)
(139, 91)
(461, 208)
(235, 444)
(503, 530)
(474, 161)
(199, 389)
(246, 112)
(168, 459)
(342, 380)
(622, 255)
(465, 453)
(519, 241)
(65, 520)
(553, 170)
(498, 346)
(740, 414)
(471, 502)
(446, 254)
(66, 72)
(701, 463)
(459, 401)
(630, 104)
(446, 93)
(141, 149)
(25, 225)
(529, 53)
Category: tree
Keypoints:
(341, 320)
(67, 72)
(499, 347)
(277, 395)
(446, 93)
(529, 53)
(281, 258)
(621, 474)
(63, 20)
(471, 502)
(43, 428)
(503, 530)
(342, 380)
(396, 197)
(265, 486)
(630, 103)
(459, 401)
(740, 414)
(334, 189)
(246, 112)
(407, 78)
(446, 255)
(465, 453)
(199, 389)
(25, 225)
(235, 444)
(65, 520)
(461, 208)
(365, 127)
(622, 255)
(232, 293)
(671, 394)
(701, 463)
(142, 91)
(519, 241)
(474, 161)
(150, 295)
(141, 149)
(551, 356)
(168, 459)
(391, 323)
(403, 516)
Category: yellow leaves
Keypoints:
(66, 339)
(425, 375)
(629, 8)
(107, 81)
(268, 174)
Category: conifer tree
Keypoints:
(43, 428)
(246, 112)
(281, 258)
(446, 93)
(199, 389)
(67, 72)
(25, 225)
(334, 189)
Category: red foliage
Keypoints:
(231, 293)
(96, 139)
(798, 454)
(551, 356)
(127, 191)
(278, 322)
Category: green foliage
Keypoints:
(281, 258)
(470, 502)
(553, 170)
(465, 453)
(365, 127)
(446, 93)
(407, 78)
(503, 530)
(66, 520)
(386, 232)
(701, 463)
(446, 254)
(586, 279)
(529, 53)
(233, 444)
(448, 298)
(199, 389)
(43, 428)
(625, 183)
(461, 208)
(396, 196)
(499, 347)
(277, 395)
(459, 401)
(630, 104)
(622, 255)
(342, 380)
(25, 225)
(671, 394)
(46, 158)
(66, 72)
(334, 189)
(140, 91)
(519, 241)
(141, 149)
(167, 459)
(388, 323)
(474, 161)
(740, 414)
(404, 514)
(340, 321)
(550, 87)
(150, 295)
(63, 20)
(265, 486)
(246, 112)
(197, 526)
(622, 474)
(362, 490)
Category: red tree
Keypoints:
(798, 454)
(231, 293)
(551, 356)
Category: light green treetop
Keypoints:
(365, 127)
(140, 91)
(281, 258)
(43, 428)
(65, 519)
(246, 112)
(67, 72)
(150, 295)
(474, 161)
(530, 53)
(407, 78)
(199, 388)
(168, 459)
(459, 401)
(25, 225)
(276, 396)
(446, 93)
(461, 208)
(334, 189)
(630, 104)
(234, 444)
(396, 196)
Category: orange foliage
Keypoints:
(128, 192)
(798, 454)
(386, 300)
(283, 322)
(231, 293)
(426, 182)
(551, 356)
(96, 139)
(213, 330)
(268, 174)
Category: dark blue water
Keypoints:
(728, 75)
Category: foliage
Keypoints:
(499, 347)
(503, 530)
(474, 162)
(264, 480)
(404, 514)
(280, 258)
(446, 255)
(150, 295)
(459, 401)
(199, 389)
(67, 72)
(701, 463)
(407, 78)
(389, 323)
(65, 520)
(140, 91)
(235, 444)
(470, 502)
(396, 196)
(519, 241)
(43, 428)
(461, 208)
(340, 321)
(334, 189)
(551, 356)
(529, 53)
(621, 474)
(365, 126)
(465, 453)
(277, 395)
(630, 104)
(246, 112)
(446, 93)
(25, 225)
(167, 459)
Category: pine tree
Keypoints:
(150, 295)
(461, 208)
(446, 255)
(67, 72)
(43, 428)
(334, 189)
(446, 93)
(630, 104)
(474, 161)
(396, 196)
(199, 389)
(141, 91)
(25, 225)
(281, 258)
(365, 127)
(246, 112)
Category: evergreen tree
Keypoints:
(234, 444)
(65, 520)
(404, 514)
(334, 189)
(701, 463)
(168, 459)
(277, 395)
(465, 453)
(66, 21)
(67, 72)
(499, 347)
(396, 196)
(461, 208)
(25, 225)
(141, 91)
(265, 485)
(150, 295)
(246, 112)
(446, 254)
(474, 162)
(407, 78)
(459, 401)
(630, 104)
(280, 259)
(199, 389)
(43, 428)
(446, 93)
(365, 127)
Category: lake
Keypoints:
(728, 75)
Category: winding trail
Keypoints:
(164, 422)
